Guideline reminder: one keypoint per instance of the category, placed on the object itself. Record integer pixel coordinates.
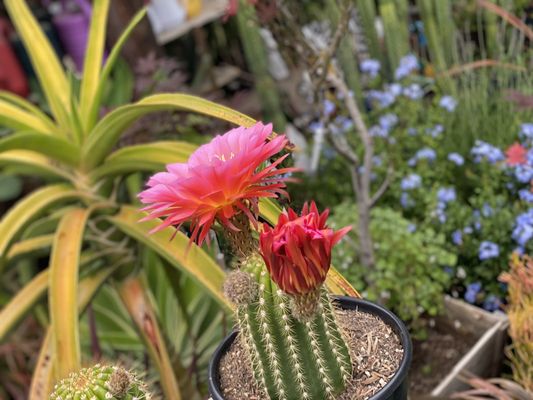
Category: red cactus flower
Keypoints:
(297, 251)
(516, 154)
(221, 179)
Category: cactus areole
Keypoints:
(284, 314)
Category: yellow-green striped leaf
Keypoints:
(64, 267)
(42, 379)
(22, 302)
(107, 132)
(141, 311)
(144, 157)
(51, 146)
(44, 60)
(33, 163)
(29, 246)
(16, 118)
(192, 260)
(28, 208)
(93, 59)
(108, 67)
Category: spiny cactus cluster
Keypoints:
(295, 355)
(101, 383)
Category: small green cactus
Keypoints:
(101, 383)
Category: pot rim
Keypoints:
(346, 302)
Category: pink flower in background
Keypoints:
(297, 251)
(516, 154)
(220, 179)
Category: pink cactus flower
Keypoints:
(221, 179)
(297, 251)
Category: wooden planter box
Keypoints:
(485, 358)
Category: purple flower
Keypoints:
(483, 150)
(526, 195)
(411, 228)
(448, 103)
(492, 303)
(523, 173)
(456, 158)
(523, 230)
(414, 91)
(435, 131)
(395, 89)
(472, 291)
(457, 237)
(410, 182)
(408, 64)
(370, 67)
(446, 195)
(488, 250)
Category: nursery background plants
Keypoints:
(411, 120)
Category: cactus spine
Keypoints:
(292, 359)
(100, 383)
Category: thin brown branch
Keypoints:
(384, 186)
(507, 16)
(459, 69)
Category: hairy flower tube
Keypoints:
(221, 179)
(297, 251)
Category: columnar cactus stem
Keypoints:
(101, 383)
(292, 359)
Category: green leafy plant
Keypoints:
(410, 275)
(85, 216)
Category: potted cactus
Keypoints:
(293, 340)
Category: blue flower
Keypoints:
(446, 195)
(457, 237)
(408, 64)
(388, 121)
(411, 228)
(412, 131)
(344, 123)
(328, 107)
(406, 201)
(316, 126)
(377, 161)
(370, 67)
(526, 195)
(384, 99)
(476, 214)
(526, 131)
(411, 181)
(492, 303)
(414, 91)
(468, 230)
(486, 210)
(472, 291)
(523, 173)
(378, 131)
(488, 250)
(440, 213)
(483, 150)
(435, 131)
(523, 230)
(426, 154)
(448, 103)
(394, 88)
(456, 158)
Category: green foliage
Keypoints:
(10, 187)
(410, 275)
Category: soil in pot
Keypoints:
(434, 357)
(376, 354)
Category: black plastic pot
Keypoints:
(395, 389)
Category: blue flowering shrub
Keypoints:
(473, 206)
(412, 264)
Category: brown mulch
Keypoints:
(376, 355)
